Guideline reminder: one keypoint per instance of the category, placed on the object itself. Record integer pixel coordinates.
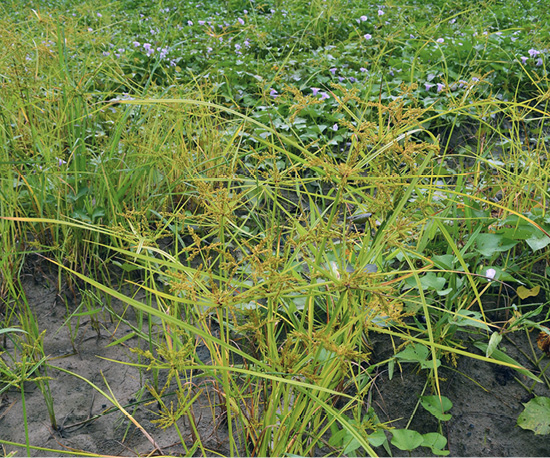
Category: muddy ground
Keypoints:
(487, 399)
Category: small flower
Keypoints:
(475, 80)
(367, 36)
(99, 15)
(136, 44)
(237, 46)
(333, 70)
(440, 87)
(241, 21)
(106, 53)
(202, 22)
(146, 46)
(380, 13)
(324, 96)
(362, 69)
(60, 161)
(90, 29)
(452, 21)
(189, 23)
(428, 86)
(245, 11)
(273, 93)
(440, 40)
(538, 62)
(315, 90)
(533, 52)
(335, 127)
(247, 43)
(524, 59)
(341, 79)
(352, 79)
(363, 18)
(490, 274)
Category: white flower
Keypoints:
(490, 274)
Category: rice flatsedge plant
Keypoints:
(276, 206)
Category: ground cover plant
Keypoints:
(246, 199)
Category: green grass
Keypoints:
(286, 177)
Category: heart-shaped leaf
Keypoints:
(536, 416)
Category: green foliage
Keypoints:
(279, 180)
(536, 415)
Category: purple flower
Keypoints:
(362, 69)
(538, 63)
(428, 86)
(247, 43)
(352, 79)
(60, 161)
(335, 127)
(202, 22)
(324, 96)
(367, 36)
(524, 59)
(363, 18)
(380, 13)
(440, 87)
(475, 80)
(273, 93)
(237, 46)
(106, 53)
(99, 15)
(90, 29)
(146, 46)
(490, 274)
(341, 79)
(333, 70)
(315, 90)
(440, 40)
(241, 21)
(189, 23)
(533, 52)
(245, 11)
(136, 44)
